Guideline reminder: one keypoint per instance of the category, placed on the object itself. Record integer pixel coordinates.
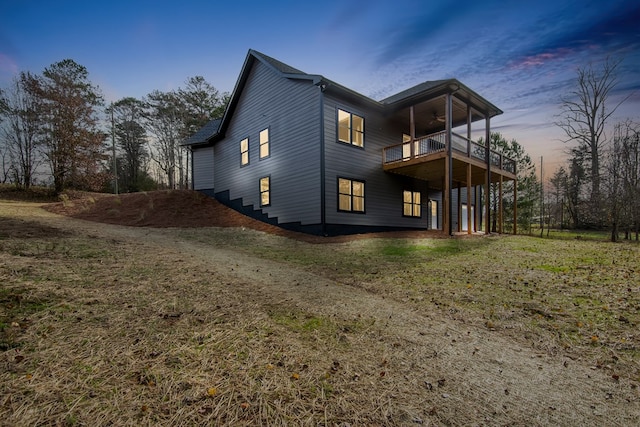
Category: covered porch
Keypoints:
(430, 150)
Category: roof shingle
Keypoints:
(205, 133)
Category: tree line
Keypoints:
(57, 121)
(599, 186)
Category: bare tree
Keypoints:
(559, 183)
(171, 117)
(132, 140)
(71, 141)
(623, 179)
(20, 130)
(163, 119)
(584, 114)
(202, 102)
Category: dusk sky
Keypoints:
(520, 55)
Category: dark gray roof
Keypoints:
(279, 66)
(415, 90)
(215, 130)
(205, 133)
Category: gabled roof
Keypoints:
(432, 89)
(279, 66)
(215, 130)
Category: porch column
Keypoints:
(446, 193)
(515, 207)
(412, 130)
(500, 206)
(478, 204)
(487, 139)
(459, 208)
(449, 163)
(469, 227)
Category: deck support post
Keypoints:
(500, 206)
(469, 117)
(469, 223)
(412, 130)
(515, 207)
(487, 139)
(459, 209)
(478, 203)
(446, 192)
(449, 164)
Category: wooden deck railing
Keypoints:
(437, 142)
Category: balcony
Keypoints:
(424, 159)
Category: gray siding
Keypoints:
(383, 191)
(203, 176)
(291, 111)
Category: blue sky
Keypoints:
(520, 55)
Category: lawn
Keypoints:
(106, 325)
(575, 296)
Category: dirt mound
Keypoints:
(184, 209)
(159, 209)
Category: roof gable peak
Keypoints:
(275, 64)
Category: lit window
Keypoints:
(411, 203)
(350, 128)
(264, 143)
(350, 195)
(265, 191)
(244, 151)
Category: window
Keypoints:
(350, 128)
(264, 143)
(350, 195)
(244, 152)
(265, 191)
(411, 204)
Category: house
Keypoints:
(305, 153)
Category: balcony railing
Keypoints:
(421, 147)
(436, 142)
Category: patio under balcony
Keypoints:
(433, 152)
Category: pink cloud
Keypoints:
(540, 59)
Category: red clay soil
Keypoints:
(185, 209)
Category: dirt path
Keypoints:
(453, 368)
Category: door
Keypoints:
(465, 226)
(433, 214)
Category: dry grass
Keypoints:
(578, 298)
(120, 326)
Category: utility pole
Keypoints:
(541, 198)
(113, 146)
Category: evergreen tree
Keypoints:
(528, 190)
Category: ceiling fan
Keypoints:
(437, 118)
